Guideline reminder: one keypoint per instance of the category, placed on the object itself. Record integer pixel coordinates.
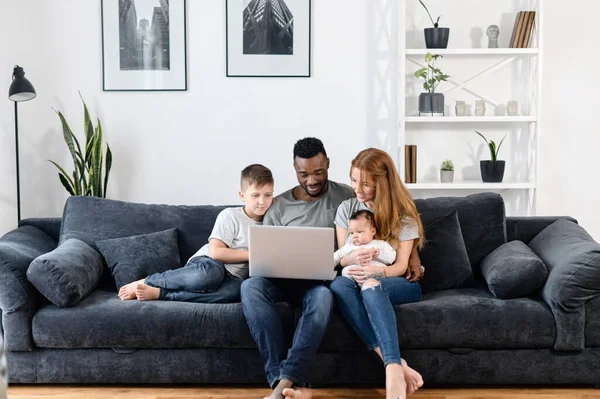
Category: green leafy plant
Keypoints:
(431, 75)
(447, 165)
(436, 23)
(87, 177)
(492, 145)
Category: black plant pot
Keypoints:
(437, 37)
(492, 172)
(431, 103)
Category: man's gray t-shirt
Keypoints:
(408, 230)
(288, 211)
(231, 227)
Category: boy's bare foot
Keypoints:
(297, 393)
(279, 388)
(144, 292)
(412, 377)
(127, 291)
(395, 386)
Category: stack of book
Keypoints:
(524, 23)
(410, 164)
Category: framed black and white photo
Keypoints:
(268, 38)
(143, 45)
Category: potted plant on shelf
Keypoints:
(447, 171)
(492, 171)
(435, 37)
(431, 102)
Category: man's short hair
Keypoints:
(257, 175)
(309, 147)
(366, 214)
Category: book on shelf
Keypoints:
(407, 177)
(410, 163)
(528, 29)
(524, 22)
(516, 29)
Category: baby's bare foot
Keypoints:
(413, 379)
(144, 292)
(297, 393)
(127, 291)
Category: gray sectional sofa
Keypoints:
(460, 335)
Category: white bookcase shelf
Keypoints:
(472, 51)
(470, 119)
(471, 185)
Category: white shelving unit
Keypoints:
(412, 58)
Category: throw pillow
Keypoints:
(68, 274)
(136, 257)
(573, 261)
(513, 270)
(445, 256)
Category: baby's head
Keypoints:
(361, 227)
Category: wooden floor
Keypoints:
(162, 392)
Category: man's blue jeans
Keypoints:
(202, 280)
(259, 296)
(370, 311)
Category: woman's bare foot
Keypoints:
(127, 291)
(395, 386)
(278, 390)
(412, 377)
(297, 393)
(144, 292)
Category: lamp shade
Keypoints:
(20, 89)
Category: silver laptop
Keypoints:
(291, 252)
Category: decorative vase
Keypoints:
(479, 108)
(446, 176)
(512, 108)
(437, 37)
(431, 103)
(492, 171)
(460, 108)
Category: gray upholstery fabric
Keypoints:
(573, 260)
(461, 318)
(136, 257)
(67, 274)
(592, 323)
(524, 228)
(445, 256)
(244, 366)
(513, 270)
(481, 217)
(104, 321)
(18, 298)
(50, 226)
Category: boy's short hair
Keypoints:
(309, 147)
(366, 214)
(255, 174)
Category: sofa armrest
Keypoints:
(572, 258)
(18, 298)
(524, 228)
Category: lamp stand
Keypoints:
(17, 158)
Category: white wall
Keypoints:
(188, 147)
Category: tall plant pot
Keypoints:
(431, 103)
(437, 37)
(492, 171)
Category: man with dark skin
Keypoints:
(313, 203)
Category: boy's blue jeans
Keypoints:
(202, 280)
(370, 311)
(259, 296)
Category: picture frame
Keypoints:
(268, 38)
(144, 45)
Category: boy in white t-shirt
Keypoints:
(361, 234)
(215, 273)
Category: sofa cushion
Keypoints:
(573, 260)
(67, 274)
(482, 221)
(104, 321)
(513, 270)
(592, 323)
(136, 257)
(459, 318)
(445, 256)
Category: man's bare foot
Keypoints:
(412, 377)
(127, 291)
(144, 292)
(395, 386)
(297, 393)
(279, 388)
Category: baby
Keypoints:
(361, 234)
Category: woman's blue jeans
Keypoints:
(202, 280)
(370, 311)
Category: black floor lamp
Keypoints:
(20, 90)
